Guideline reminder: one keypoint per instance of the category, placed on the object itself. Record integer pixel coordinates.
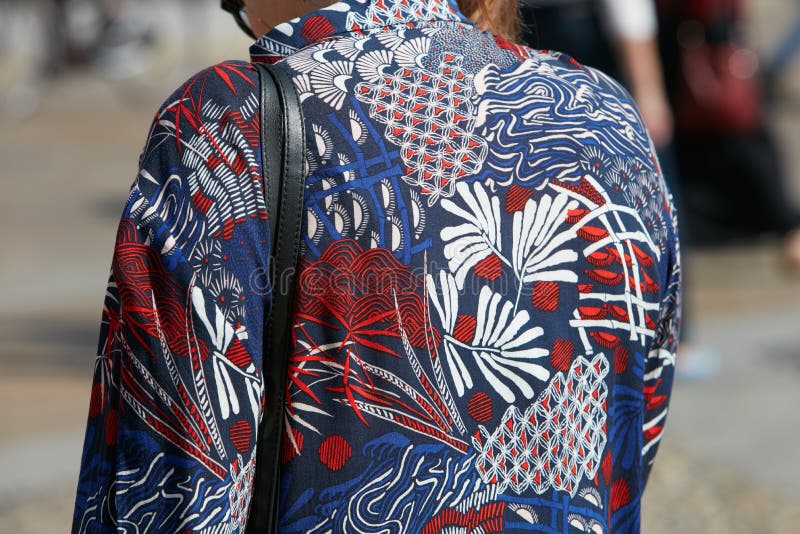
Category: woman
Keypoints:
(485, 324)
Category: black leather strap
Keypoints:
(283, 152)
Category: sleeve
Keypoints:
(633, 20)
(177, 390)
(660, 363)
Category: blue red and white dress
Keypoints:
(486, 321)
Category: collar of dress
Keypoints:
(360, 17)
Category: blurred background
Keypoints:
(718, 85)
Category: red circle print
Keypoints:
(316, 28)
(561, 355)
(479, 407)
(334, 452)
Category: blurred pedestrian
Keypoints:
(114, 26)
(727, 154)
(114, 42)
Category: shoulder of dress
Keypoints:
(228, 84)
(211, 121)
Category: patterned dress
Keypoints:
(486, 321)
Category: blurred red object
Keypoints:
(711, 10)
(719, 90)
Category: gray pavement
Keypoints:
(729, 462)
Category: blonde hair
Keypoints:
(500, 17)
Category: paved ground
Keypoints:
(729, 463)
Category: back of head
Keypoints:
(500, 17)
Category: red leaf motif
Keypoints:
(601, 258)
(316, 28)
(605, 339)
(644, 258)
(620, 494)
(238, 354)
(288, 448)
(618, 312)
(591, 313)
(621, 357)
(607, 466)
(602, 276)
(112, 422)
(97, 401)
(575, 216)
(593, 233)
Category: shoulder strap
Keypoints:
(283, 152)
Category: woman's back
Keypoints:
(487, 296)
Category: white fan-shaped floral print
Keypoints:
(372, 65)
(391, 40)
(322, 142)
(478, 238)
(412, 53)
(502, 345)
(303, 85)
(308, 61)
(538, 235)
(329, 81)
(350, 48)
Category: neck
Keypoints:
(266, 14)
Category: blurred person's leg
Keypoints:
(24, 97)
(732, 171)
(59, 49)
(122, 47)
(787, 51)
(788, 48)
(697, 361)
(113, 8)
(120, 23)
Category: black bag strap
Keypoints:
(282, 153)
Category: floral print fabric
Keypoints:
(488, 296)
